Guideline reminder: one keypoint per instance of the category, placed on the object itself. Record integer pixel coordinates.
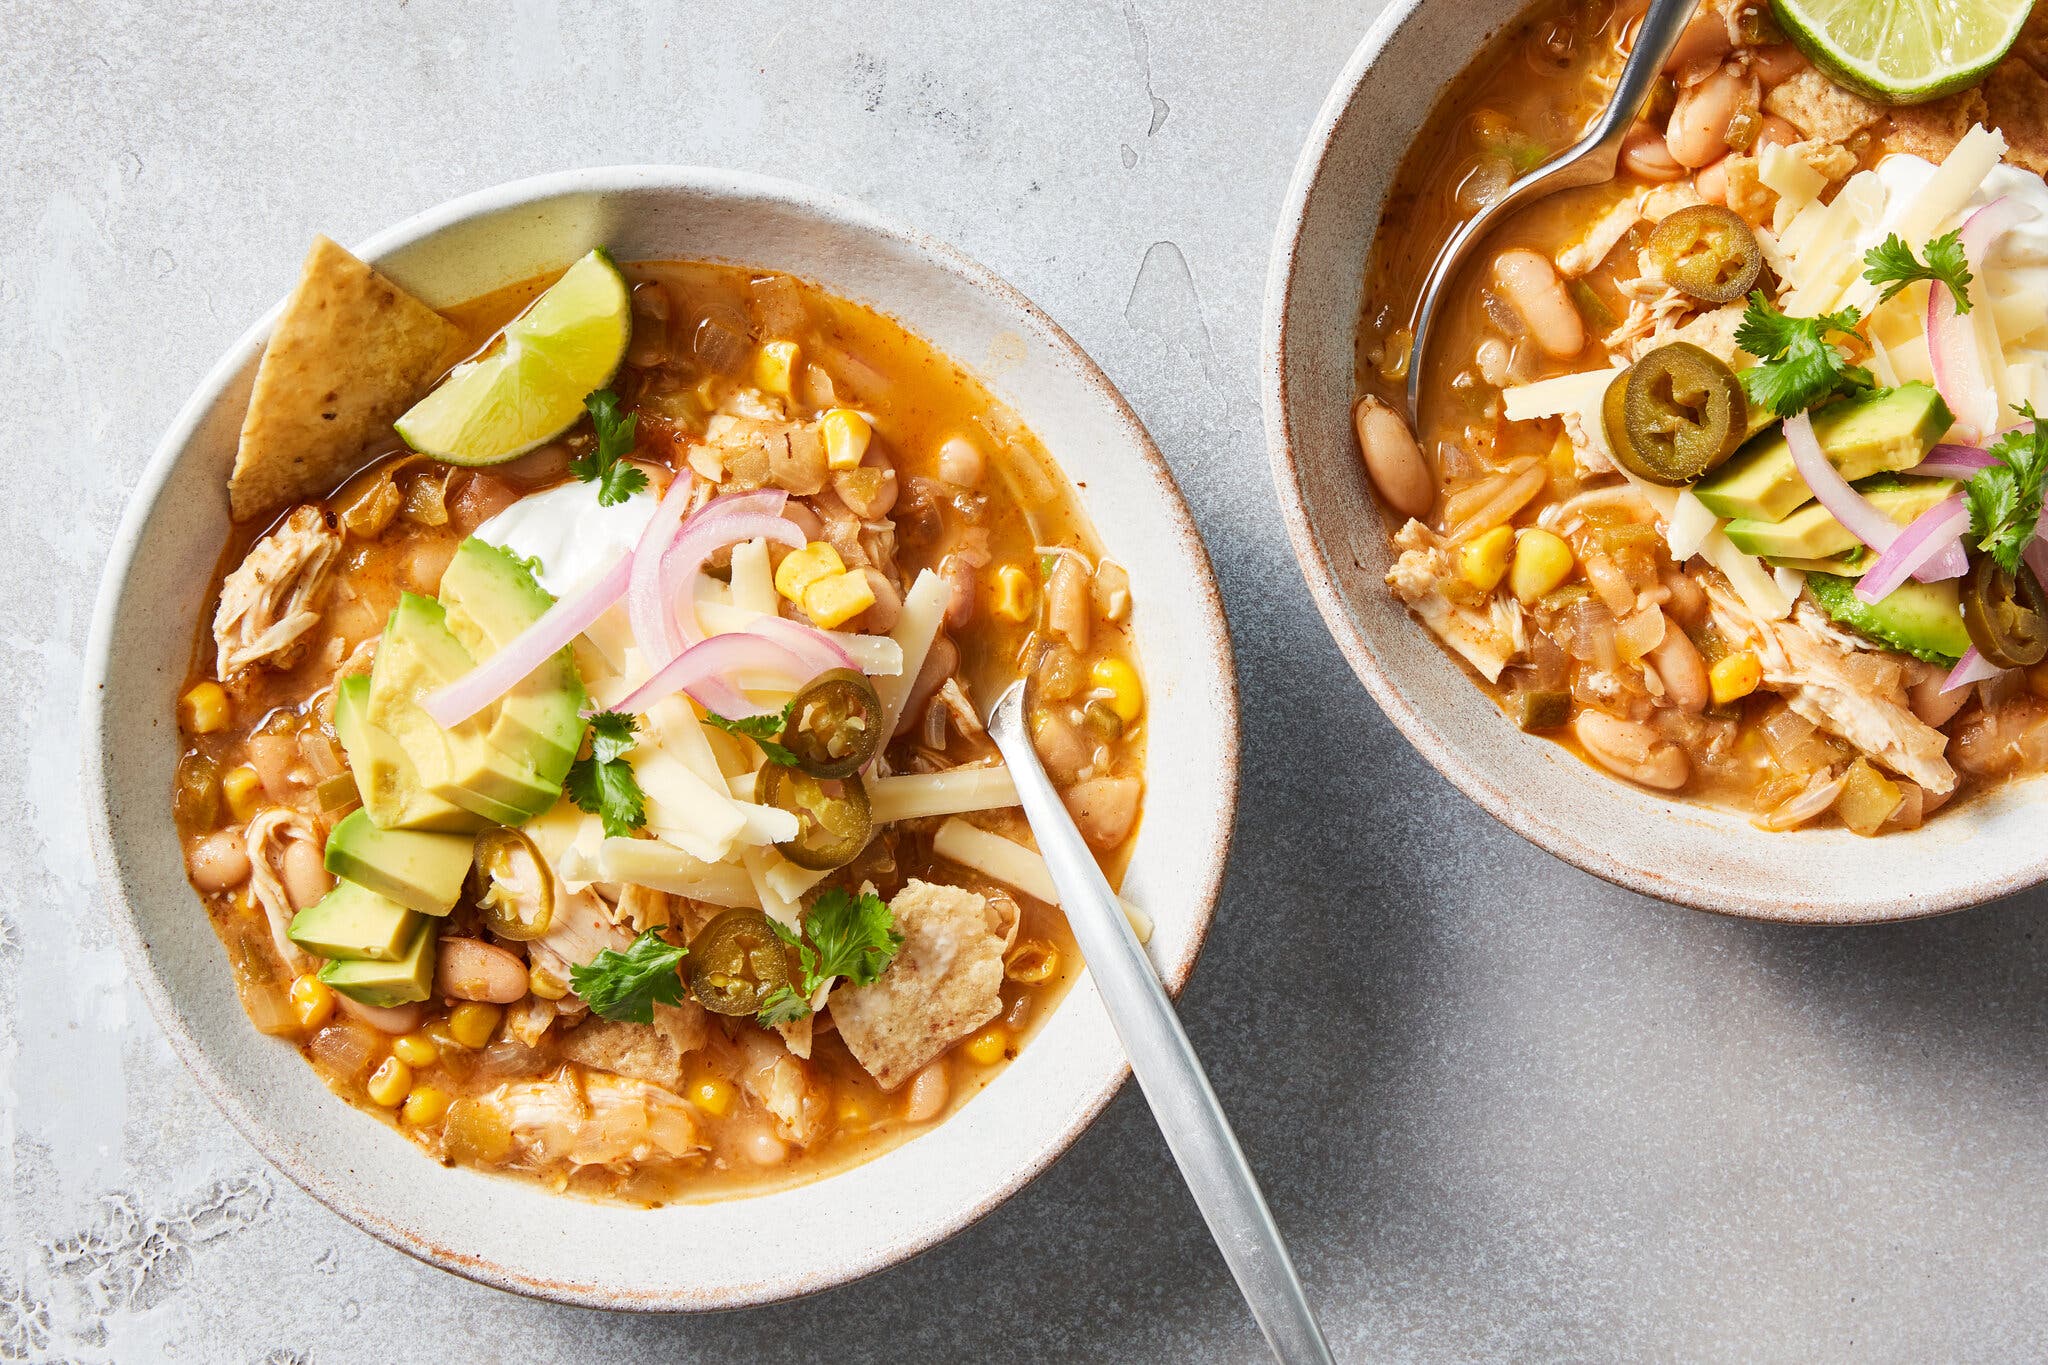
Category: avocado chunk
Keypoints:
(1852, 565)
(351, 922)
(1813, 533)
(1923, 619)
(461, 766)
(404, 981)
(385, 776)
(1886, 429)
(490, 598)
(422, 871)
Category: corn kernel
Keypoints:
(244, 791)
(1126, 693)
(389, 1083)
(775, 367)
(851, 1110)
(426, 1104)
(204, 709)
(1734, 676)
(836, 600)
(1542, 562)
(312, 1001)
(1016, 598)
(988, 1047)
(1033, 960)
(846, 434)
(801, 568)
(713, 1095)
(1483, 562)
(543, 983)
(416, 1049)
(473, 1022)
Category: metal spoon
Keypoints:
(1161, 1057)
(1590, 161)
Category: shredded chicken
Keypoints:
(268, 836)
(1585, 255)
(1486, 635)
(1818, 680)
(271, 600)
(594, 1119)
(582, 928)
(781, 1085)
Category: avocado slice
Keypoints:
(1924, 620)
(350, 922)
(490, 598)
(1885, 429)
(1813, 533)
(403, 981)
(1854, 564)
(422, 871)
(385, 776)
(461, 766)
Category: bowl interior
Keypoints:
(1682, 852)
(509, 1232)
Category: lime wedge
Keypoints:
(531, 387)
(1903, 51)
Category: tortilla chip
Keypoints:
(653, 1053)
(1819, 108)
(944, 983)
(2016, 97)
(350, 354)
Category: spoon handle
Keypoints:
(1163, 1060)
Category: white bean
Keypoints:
(1530, 284)
(1632, 750)
(1705, 40)
(1644, 154)
(471, 969)
(305, 878)
(219, 861)
(960, 461)
(1393, 459)
(1682, 670)
(1698, 133)
(394, 1019)
(929, 1091)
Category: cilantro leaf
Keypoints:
(604, 463)
(844, 935)
(627, 986)
(2005, 498)
(762, 729)
(603, 784)
(1892, 264)
(783, 1006)
(1799, 365)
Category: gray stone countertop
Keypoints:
(1502, 1109)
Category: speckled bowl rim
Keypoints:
(1319, 570)
(1203, 888)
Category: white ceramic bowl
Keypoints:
(1715, 860)
(510, 1233)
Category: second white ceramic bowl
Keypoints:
(698, 1256)
(1989, 847)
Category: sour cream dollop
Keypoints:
(573, 536)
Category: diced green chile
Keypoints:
(1543, 710)
(512, 884)
(2006, 614)
(835, 724)
(833, 816)
(736, 962)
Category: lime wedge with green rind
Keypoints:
(530, 388)
(1903, 51)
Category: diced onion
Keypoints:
(455, 703)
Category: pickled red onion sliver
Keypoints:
(450, 705)
(701, 536)
(1971, 668)
(808, 643)
(704, 668)
(654, 626)
(1947, 461)
(1931, 549)
(1844, 503)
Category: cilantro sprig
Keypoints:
(2005, 497)
(603, 784)
(1800, 363)
(603, 464)
(762, 729)
(844, 935)
(627, 986)
(1893, 265)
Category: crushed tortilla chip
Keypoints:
(944, 983)
(350, 354)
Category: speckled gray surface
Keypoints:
(1502, 1109)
